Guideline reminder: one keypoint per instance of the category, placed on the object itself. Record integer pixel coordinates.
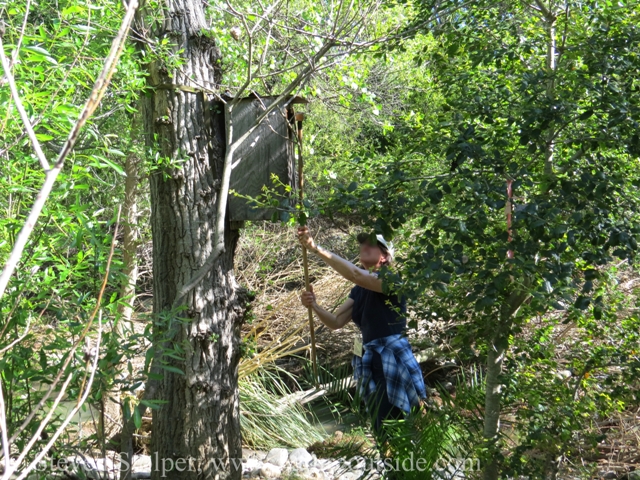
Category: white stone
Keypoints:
(270, 470)
(348, 476)
(140, 475)
(300, 456)
(256, 472)
(314, 474)
(277, 456)
(251, 464)
(95, 468)
(141, 463)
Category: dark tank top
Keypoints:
(374, 316)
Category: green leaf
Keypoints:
(597, 313)
(103, 162)
(172, 369)
(586, 115)
(582, 302)
(137, 418)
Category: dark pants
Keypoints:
(379, 406)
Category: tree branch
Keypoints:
(232, 146)
(544, 10)
(23, 114)
(92, 103)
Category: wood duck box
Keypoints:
(267, 151)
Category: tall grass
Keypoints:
(266, 420)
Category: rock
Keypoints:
(269, 470)
(141, 463)
(251, 464)
(140, 475)
(610, 475)
(300, 456)
(277, 456)
(563, 374)
(313, 474)
(348, 476)
(94, 468)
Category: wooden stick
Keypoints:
(305, 262)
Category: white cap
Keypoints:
(363, 237)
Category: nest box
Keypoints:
(269, 150)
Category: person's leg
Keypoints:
(381, 408)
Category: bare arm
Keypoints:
(348, 270)
(333, 321)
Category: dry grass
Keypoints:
(270, 263)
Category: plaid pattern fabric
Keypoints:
(405, 385)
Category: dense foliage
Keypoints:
(496, 142)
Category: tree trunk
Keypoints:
(196, 433)
(130, 244)
(130, 270)
(110, 419)
(550, 20)
(497, 349)
(495, 357)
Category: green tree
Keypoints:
(538, 100)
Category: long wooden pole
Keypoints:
(305, 262)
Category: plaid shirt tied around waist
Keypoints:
(405, 385)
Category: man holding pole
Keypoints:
(390, 379)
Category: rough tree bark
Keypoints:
(199, 425)
(549, 16)
(128, 287)
(496, 351)
(111, 416)
(495, 356)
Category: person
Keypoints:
(387, 373)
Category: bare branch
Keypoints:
(23, 114)
(545, 11)
(3, 431)
(92, 103)
(14, 57)
(72, 413)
